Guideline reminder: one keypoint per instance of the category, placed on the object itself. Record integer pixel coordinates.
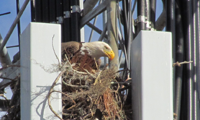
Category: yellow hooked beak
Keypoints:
(110, 54)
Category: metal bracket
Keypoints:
(59, 19)
(66, 14)
(144, 20)
(75, 8)
(141, 19)
(148, 25)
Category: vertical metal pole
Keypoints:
(198, 56)
(45, 11)
(52, 11)
(75, 20)
(112, 32)
(179, 57)
(104, 26)
(170, 26)
(128, 42)
(18, 24)
(141, 15)
(187, 106)
(38, 11)
(190, 57)
(153, 12)
(59, 15)
(130, 32)
(82, 30)
(67, 21)
(33, 10)
(148, 14)
(59, 12)
(125, 16)
(198, 49)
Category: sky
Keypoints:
(7, 20)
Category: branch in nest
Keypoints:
(69, 97)
(49, 94)
(75, 85)
(96, 80)
(55, 52)
(89, 73)
(180, 63)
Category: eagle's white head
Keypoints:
(98, 49)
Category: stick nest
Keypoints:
(85, 96)
(88, 96)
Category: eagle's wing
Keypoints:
(70, 49)
(80, 56)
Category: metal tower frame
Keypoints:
(181, 19)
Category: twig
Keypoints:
(51, 90)
(75, 85)
(180, 63)
(96, 80)
(69, 97)
(55, 51)
(70, 65)
(89, 73)
(96, 63)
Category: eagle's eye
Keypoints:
(106, 47)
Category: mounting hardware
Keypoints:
(59, 19)
(66, 14)
(144, 20)
(75, 8)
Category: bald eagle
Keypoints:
(86, 56)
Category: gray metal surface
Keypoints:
(161, 21)
(94, 12)
(4, 56)
(151, 72)
(89, 5)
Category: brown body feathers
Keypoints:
(80, 59)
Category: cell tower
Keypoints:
(157, 60)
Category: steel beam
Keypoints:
(94, 12)
(4, 56)
(88, 6)
(161, 21)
